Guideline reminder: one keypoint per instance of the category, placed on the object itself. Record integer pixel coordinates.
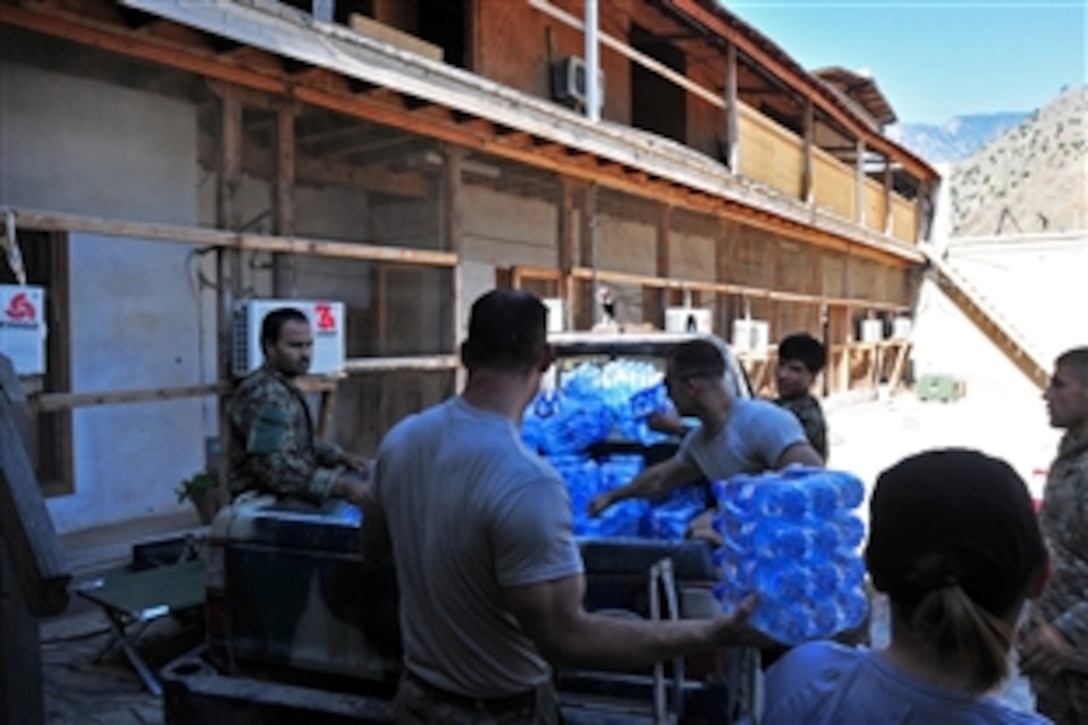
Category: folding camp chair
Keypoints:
(132, 600)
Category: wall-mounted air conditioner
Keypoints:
(751, 336)
(688, 319)
(901, 328)
(872, 330)
(327, 320)
(569, 82)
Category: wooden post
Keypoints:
(807, 186)
(283, 202)
(451, 228)
(859, 213)
(888, 195)
(920, 210)
(34, 572)
(565, 248)
(732, 122)
(723, 257)
(228, 261)
(654, 301)
(588, 256)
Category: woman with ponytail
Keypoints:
(955, 545)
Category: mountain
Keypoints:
(1031, 178)
(955, 139)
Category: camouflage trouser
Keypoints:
(1063, 697)
(417, 704)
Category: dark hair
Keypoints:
(697, 359)
(274, 321)
(805, 348)
(1077, 360)
(507, 331)
(955, 543)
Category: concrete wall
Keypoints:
(85, 147)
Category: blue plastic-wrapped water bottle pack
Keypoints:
(596, 404)
(793, 537)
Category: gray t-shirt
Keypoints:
(754, 436)
(470, 511)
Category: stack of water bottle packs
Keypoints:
(793, 537)
(595, 404)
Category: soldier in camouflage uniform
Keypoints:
(801, 357)
(273, 447)
(1055, 650)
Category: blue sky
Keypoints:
(934, 59)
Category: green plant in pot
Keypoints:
(203, 490)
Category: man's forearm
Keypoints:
(649, 484)
(611, 643)
(1073, 624)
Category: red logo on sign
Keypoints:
(326, 321)
(21, 309)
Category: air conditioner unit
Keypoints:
(556, 314)
(751, 336)
(872, 330)
(901, 328)
(327, 320)
(569, 82)
(687, 319)
(22, 327)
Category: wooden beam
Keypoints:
(453, 157)
(40, 563)
(808, 189)
(144, 231)
(732, 121)
(888, 218)
(283, 203)
(859, 184)
(656, 300)
(565, 247)
(589, 253)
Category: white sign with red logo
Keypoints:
(22, 327)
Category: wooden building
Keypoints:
(164, 158)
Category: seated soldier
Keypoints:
(273, 446)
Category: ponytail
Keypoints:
(955, 626)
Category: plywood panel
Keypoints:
(834, 185)
(692, 257)
(770, 153)
(904, 219)
(627, 246)
(874, 205)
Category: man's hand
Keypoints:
(351, 488)
(734, 631)
(599, 504)
(702, 527)
(666, 423)
(356, 463)
(1045, 651)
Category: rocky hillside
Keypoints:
(1032, 178)
(956, 139)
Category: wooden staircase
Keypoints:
(985, 317)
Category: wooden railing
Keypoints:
(773, 155)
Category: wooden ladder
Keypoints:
(985, 317)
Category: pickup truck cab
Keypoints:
(293, 625)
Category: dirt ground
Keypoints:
(865, 439)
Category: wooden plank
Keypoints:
(887, 196)
(40, 564)
(421, 363)
(732, 110)
(589, 312)
(725, 288)
(859, 183)
(809, 121)
(384, 33)
(565, 248)
(51, 402)
(451, 221)
(144, 231)
(228, 264)
(283, 203)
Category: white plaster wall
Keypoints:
(87, 147)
